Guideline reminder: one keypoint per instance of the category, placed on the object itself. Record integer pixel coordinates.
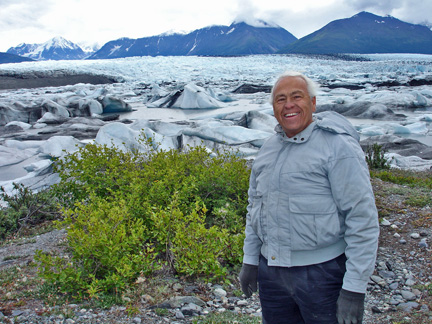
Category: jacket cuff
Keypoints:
(251, 259)
(355, 285)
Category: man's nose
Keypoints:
(288, 104)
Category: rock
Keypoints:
(179, 315)
(219, 292)
(408, 307)
(191, 309)
(423, 243)
(410, 282)
(415, 235)
(394, 286)
(378, 280)
(242, 302)
(177, 301)
(408, 295)
(385, 222)
(376, 310)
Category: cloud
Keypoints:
(412, 11)
(374, 6)
(19, 14)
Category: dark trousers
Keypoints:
(300, 295)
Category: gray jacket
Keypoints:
(310, 200)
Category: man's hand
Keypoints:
(350, 307)
(248, 279)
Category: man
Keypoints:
(312, 225)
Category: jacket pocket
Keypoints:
(258, 219)
(314, 222)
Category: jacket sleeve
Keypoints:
(352, 191)
(252, 243)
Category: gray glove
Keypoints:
(350, 307)
(248, 279)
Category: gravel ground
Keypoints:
(400, 290)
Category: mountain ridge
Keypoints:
(217, 40)
(364, 33)
(57, 48)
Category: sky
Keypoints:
(96, 22)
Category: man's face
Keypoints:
(292, 105)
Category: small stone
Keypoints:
(402, 241)
(378, 280)
(179, 315)
(397, 235)
(423, 243)
(394, 286)
(416, 292)
(410, 282)
(415, 235)
(407, 307)
(385, 222)
(408, 295)
(191, 309)
(17, 313)
(242, 302)
(219, 292)
(136, 320)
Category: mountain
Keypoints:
(12, 58)
(365, 33)
(56, 48)
(236, 39)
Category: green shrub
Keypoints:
(375, 157)
(97, 169)
(25, 208)
(108, 250)
(129, 213)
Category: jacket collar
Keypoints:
(299, 138)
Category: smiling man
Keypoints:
(312, 225)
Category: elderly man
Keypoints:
(312, 225)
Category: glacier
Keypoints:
(182, 101)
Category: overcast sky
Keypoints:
(87, 22)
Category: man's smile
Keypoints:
(291, 115)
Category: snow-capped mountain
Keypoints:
(239, 38)
(56, 48)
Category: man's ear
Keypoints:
(314, 104)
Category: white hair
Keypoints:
(312, 86)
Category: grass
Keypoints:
(227, 317)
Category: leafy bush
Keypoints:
(129, 213)
(97, 169)
(108, 249)
(375, 157)
(24, 209)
